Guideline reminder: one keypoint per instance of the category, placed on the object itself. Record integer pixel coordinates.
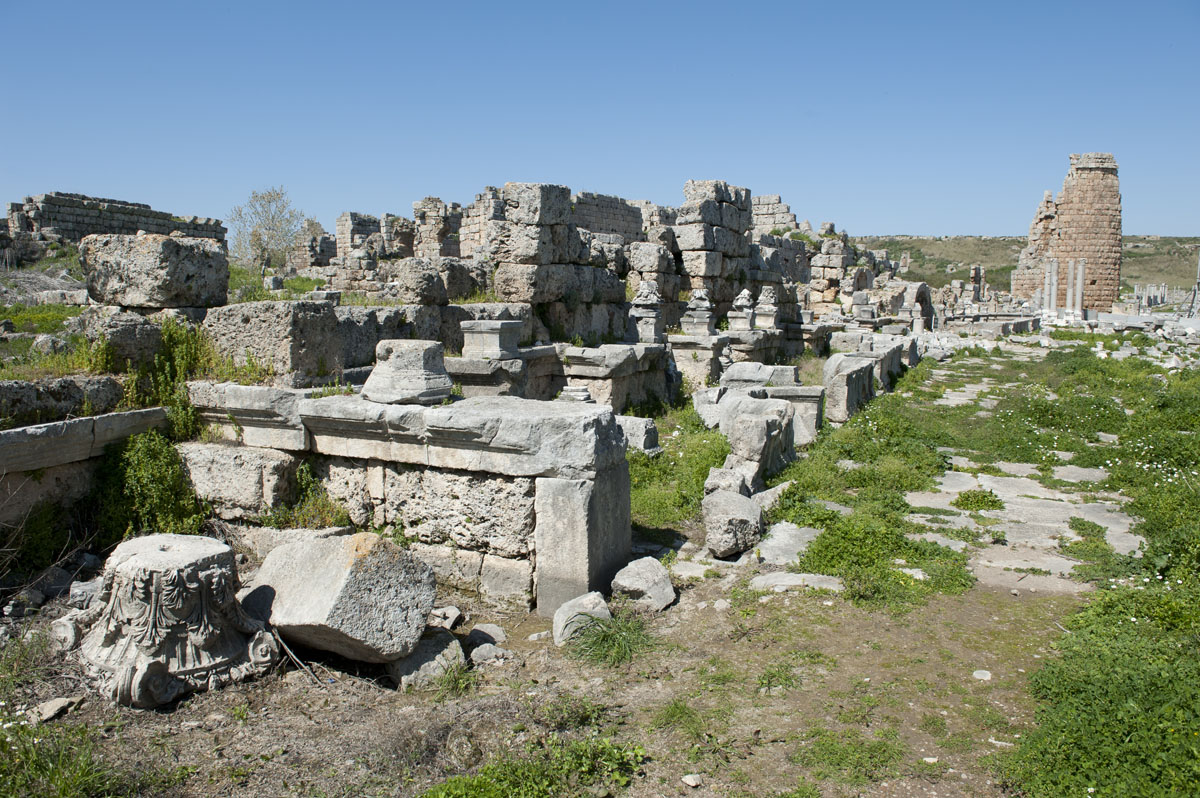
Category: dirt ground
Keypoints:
(348, 732)
(744, 689)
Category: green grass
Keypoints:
(1119, 708)
(681, 716)
(59, 758)
(666, 490)
(848, 757)
(977, 499)
(549, 769)
(39, 318)
(610, 641)
(313, 508)
(455, 682)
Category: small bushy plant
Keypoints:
(977, 499)
(142, 488)
(610, 641)
(550, 768)
(314, 507)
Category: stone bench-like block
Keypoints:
(491, 340)
(60, 442)
(256, 415)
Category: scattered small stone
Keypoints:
(445, 617)
(1015, 592)
(721, 604)
(486, 633)
(693, 780)
(929, 760)
(433, 656)
(982, 675)
(54, 708)
(489, 654)
(1001, 743)
(540, 636)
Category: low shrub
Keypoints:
(610, 641)
(550, 768)
(314, 507)
(141, 487)
(977, 499)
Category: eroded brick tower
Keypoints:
(1084, 223)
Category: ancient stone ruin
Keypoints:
(167, 621)
(1073, 258)
(475, 403)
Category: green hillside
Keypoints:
(1147, 259)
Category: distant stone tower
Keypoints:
(1084, 223)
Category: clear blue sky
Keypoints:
(885, 117)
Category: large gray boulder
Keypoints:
(647, 582)
(571, 614)
(360, 596)
(149, 270)
(732, 523)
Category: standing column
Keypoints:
(1069, 299)
(1053, 284)
(1081, 270)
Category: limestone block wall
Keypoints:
(602, 213)
(69, 217)
(1084, 222)
(771, 212)
(438, 226)
(315, 253)
(1089, 226)
(514, 498)
(488, 205)
(352, 229)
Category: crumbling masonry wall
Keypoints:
(59, 216)
(1084, 223)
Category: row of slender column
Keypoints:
(1076, 275)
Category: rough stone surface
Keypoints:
(298, 341)
(408, 372)
(732, 523)
(167, 622)
(239, 481)
(433, 655)
(781, 581)
(571, 614)
(647, 582)
(360, 596)
(155, 271)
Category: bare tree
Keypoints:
(264, 228)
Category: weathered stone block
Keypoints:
(360, 596)
(582, 535)
(408, 372)
(239, 481)
(646, 582)
(537, 203)
(297, 340)
(732, 523)
(155, 271)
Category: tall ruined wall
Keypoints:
(1089, 226)
(352, 230)
(772, 213)
(1084, 222)
(58, 216)
(602, 213)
